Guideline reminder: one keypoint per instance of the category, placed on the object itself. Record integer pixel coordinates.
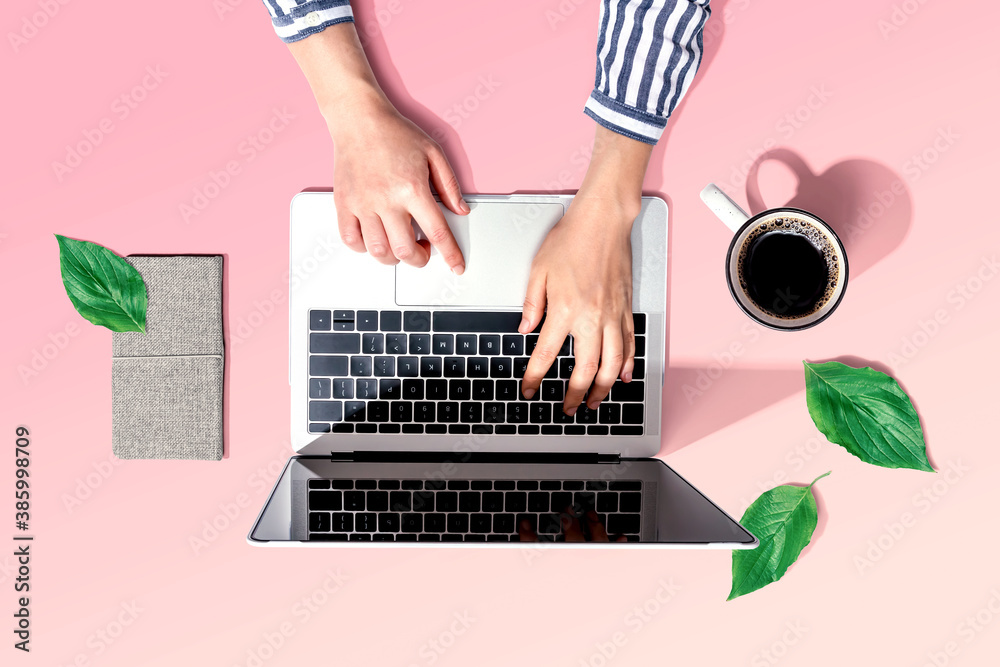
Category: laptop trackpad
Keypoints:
(499, 240)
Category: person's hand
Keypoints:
(584, 272)
(572, 529)
(583, 275)
(383, 166)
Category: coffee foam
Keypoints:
(821, 241)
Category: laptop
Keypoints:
(407, 420)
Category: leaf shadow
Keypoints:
(858, 362)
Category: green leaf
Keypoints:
(867, 413)
(102, 286)
(783, 519)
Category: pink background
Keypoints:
(869, 590)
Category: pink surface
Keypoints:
(915, 101)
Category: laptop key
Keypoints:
(401, 411)
(416, 320)
(477, 322)
(454, 367)
(630, 501)
(470, 412)
(482, 390)
(458, 523)
(639, 369)
(412, 429)
(467, 344)
(420, 344)
(492, 501)
(407, 367)
(549, 524)
(468, 501)
(329, 501)
(354, 501)
(341, 522)
(390, 320)
(435, 523)
(377, 501)
(566, 368)
(478, 367)
(388, 522)
(609, 413)
(378, 411)
(507, 390)
(395, 343)
(541, 413)
(517, 413)
(437, 390)
(354, 411)
(366, 522)
(480, 523)
(366, 320)
(319, 320)
(334, 343)
(447, 412)
(319, 388)
(319, 522)
(628, 391)
(520, 366)
(639, 323)
(489, 345)
(342, 427)
(501, 367)
(372, 343)
(365, 388)
(553, 390)
(343, 388)
(623, 523)
(513, 345)
(626, 430)
(632, 413)
(443, 344)
(551, 429)
(411, 523)
(583, 501)
(446, 501)
(607, 501)
(423, 501)
(538, 501)
(530, 341)
(427, 537)
(532, 523)
(503, 523)
(561, 501)
(384, 366)
(413, 390)
(328, 366)
(361, 366)
(423, 411)
(319, 428)
(328, 411)
(430, 367)
(459, 390)
(389, 389)
(585, 415)
(515, 501)
(640, 346)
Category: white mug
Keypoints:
(782, 308)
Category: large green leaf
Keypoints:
(783, 519)
(102, 286)
(867, 413)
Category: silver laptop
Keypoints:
(407, 420)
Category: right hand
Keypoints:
(384, 165)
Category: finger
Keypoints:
(402, 240)
(534, 301)
(550, 340)
(526, 533)
(427, 214)
(611, 366)
(350, 230)
(571, 526)
(628, 347)
(375, 239)
(586, 354)
(445, 182)
(596, 528)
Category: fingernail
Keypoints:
(464, 206)
(528, 393)
(570, 412)
(628, 377)
(523, 326)
(593, 406)
(458, 269)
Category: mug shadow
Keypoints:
(870, 208)
(370, 33)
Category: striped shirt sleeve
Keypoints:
(297, 19)
(647, 54)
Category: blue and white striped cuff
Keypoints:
(310, 18)
(623, 119)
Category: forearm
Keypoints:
(335, 65)
(617, 168)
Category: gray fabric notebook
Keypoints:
(167, 384)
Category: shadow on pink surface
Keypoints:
(869, 207)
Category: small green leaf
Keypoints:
(102, 286)
(867, 413)
(783, 519)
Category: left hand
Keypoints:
(583, 271)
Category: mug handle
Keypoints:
(724, 208)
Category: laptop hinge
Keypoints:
(473, 457)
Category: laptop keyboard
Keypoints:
(454, 372)
(367, 510)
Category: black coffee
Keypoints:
(784, 273)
